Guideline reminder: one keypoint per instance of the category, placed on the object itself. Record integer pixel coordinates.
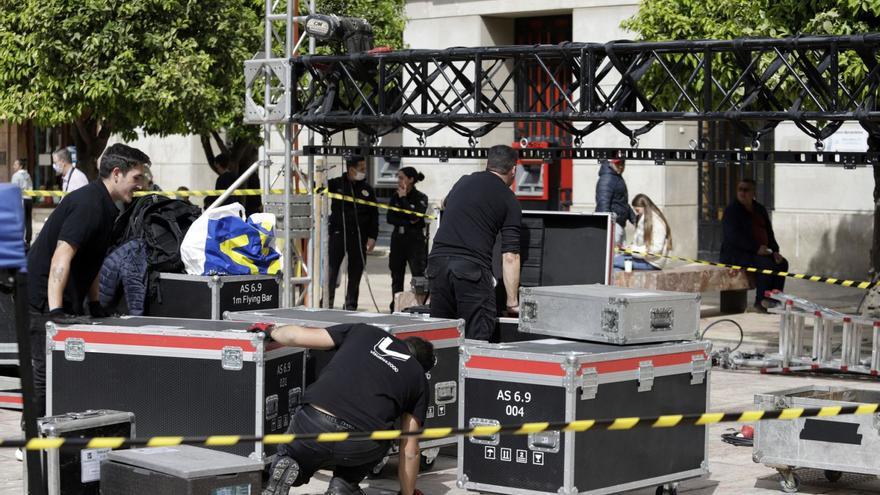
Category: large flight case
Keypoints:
(562, 381)
(616, 315)
(446, 335)
(208, 296)
(178, 376)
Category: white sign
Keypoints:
(506, 455)
(538, 458)
(489, 453)
(441, 410)
(522, 456)
(90, 464)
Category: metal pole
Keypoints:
(318, 233)
(288, 166)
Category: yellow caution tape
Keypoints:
(614, 424)
(242, 192)
(812, 278)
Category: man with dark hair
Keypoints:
(65, 259)
(749, 242)
(389, 384)
(478, 207)
(612, 196)
(353, 227)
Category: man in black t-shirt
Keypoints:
(478, 207)
(373, 379)
(65, 259)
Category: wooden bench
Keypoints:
(733, 284)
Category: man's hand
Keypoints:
(513, 310)
(410, 456)
(764, 250)
(778, 258)
(263, 328)
(371, 244)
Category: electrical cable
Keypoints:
(734, 438)
(741, 332)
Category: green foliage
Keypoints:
(166, 66)
(659, 20)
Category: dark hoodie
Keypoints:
(611, 194)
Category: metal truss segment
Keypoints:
(658, 156)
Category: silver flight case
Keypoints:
(839, 444)
(616, 315)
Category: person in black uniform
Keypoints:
(478, 207)
(389, 385)
(408, 239)
(64, 261)
(353, 228)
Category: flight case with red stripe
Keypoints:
(178, 376)
(445, 334)
(561, 381)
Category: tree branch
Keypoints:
(209, 151)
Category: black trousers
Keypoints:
(38, 357)
(463, 289)
(407, 248)
(764, 283)
(351, 460)
(28, 220)
(342, 244)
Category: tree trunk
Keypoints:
(90, 138)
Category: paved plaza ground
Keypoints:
(731, 468)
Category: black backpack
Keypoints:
(162, 223)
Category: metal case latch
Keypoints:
(294, 397)
(662, 319)
(610, 320)
(646, 376)
(272, 406)
(589, 384)
(487, 440)
(232, 359)
(74, 349)
(698, 369)
(445, 392)
(545, 441)
(528, 311)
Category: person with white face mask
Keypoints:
(353, 227)
(72, 178)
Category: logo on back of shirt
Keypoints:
(382, 351)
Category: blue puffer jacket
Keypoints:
(125, 267)
(611, 195)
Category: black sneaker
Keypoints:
(283, 476)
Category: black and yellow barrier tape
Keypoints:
(614, 424)
(34, 193)
(800, 276)
(242, 192)
(359, 201)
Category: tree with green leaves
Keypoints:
(116, 66)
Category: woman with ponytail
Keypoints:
(408, 241)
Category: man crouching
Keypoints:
(373, 380)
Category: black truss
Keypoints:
(846, 160)
(816, 82)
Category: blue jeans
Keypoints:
(638, 263)
(351, 460)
